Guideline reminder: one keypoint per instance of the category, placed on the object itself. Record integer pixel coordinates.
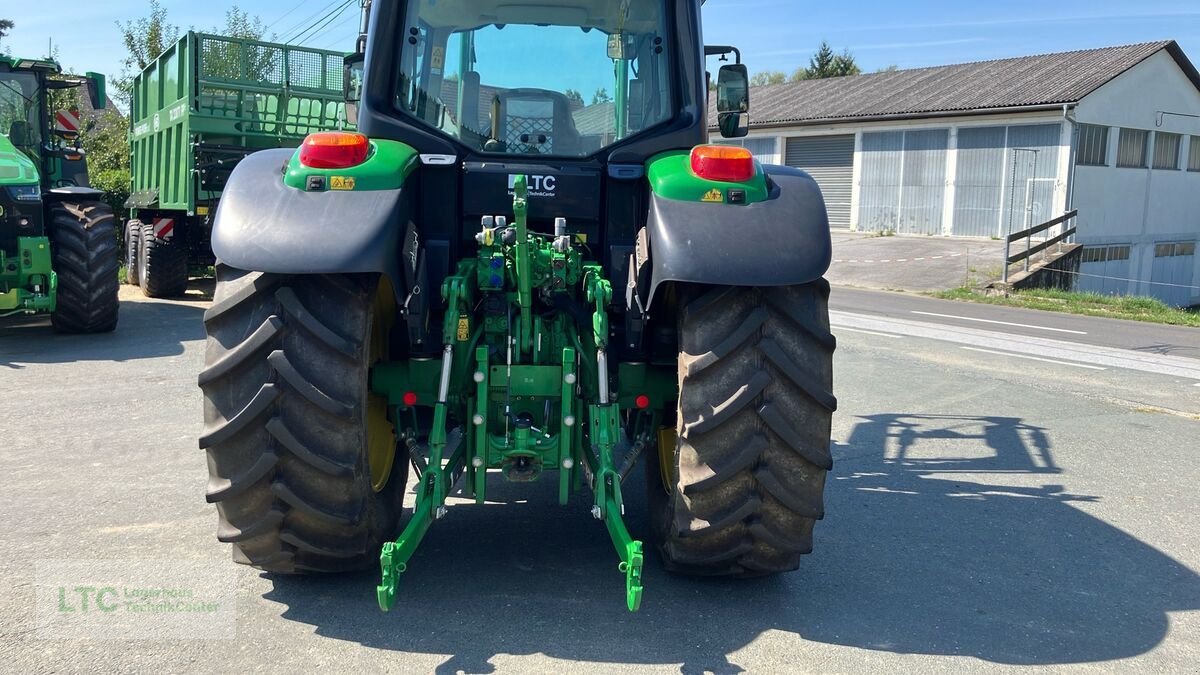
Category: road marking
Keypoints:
(1033, 358)
(869, 332)
(1002, 323)
(1052, 348)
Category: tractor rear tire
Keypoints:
(751, 451)
(286, 423)
(164, 264)
(133, 244)
(85, 255)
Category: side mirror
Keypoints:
(733, 100)
(97, 90)
(352, 83)
(621, 46)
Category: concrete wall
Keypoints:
(1141, 207)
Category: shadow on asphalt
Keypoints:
(146, 329)
(905, 563)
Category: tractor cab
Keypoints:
(47, 138)
(576, 95)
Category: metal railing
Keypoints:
(1032, 249)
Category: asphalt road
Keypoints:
(986, 510)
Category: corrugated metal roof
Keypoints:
(1023, 82)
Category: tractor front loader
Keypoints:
(58, 243)
(496, 281)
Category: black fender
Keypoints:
(782, 241)
(263, 225)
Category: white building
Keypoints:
(984, 149)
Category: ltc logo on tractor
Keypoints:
(539, 186)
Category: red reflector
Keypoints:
(642, 401)
(410, 398)
(723, 163)
(334, 150)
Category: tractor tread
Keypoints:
(285, 397)
(86, 260)
(279, 361)
(228, 534)
(300, 451)
(750, 326)
(296, 309)
(164, 272)
(245, 292)
(224, 488)
(242, 352)
(753, 425)
(254, 409)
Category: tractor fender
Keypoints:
(264, 225)
(781, 241)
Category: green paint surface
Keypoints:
(388, 165)
(671, 177)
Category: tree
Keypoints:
(144, 40)
(5, 26)
(844, 64)
(223, 59)
(601, 96)
(822, 63)
(768, 77)
(574, 96)
(825, 63)
(889, 69)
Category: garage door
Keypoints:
(830, 161)
(1174, 265)
(1105, 270)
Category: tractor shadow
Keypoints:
(1011, 573)
(147, 329)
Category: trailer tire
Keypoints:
(163, 271)
(133, 244)
(85, 255)
(751, 450)
(288, 418)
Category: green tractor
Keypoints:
(58, 245)
(494, 280)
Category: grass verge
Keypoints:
(1134, 308)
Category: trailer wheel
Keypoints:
(163, 271)
(301, 456)
(742, 480)
(133, 242)
(85, 256)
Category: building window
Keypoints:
(1166, 151)
(1099, 254)
(1093, 145)
(1131, 148)
(1174, 250)
(1194, 154)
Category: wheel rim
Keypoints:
(381, 434)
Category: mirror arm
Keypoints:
(722, 50)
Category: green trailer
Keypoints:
(197, 110)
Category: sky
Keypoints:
(773, 34)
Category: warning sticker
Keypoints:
(464, 329)
(713, 195)
(438, 58)
(341, 183)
